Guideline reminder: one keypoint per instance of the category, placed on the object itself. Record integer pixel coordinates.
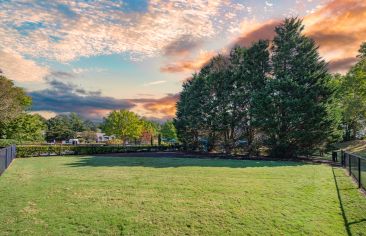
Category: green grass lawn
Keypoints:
(172, 196)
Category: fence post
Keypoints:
(349, 164)
(334, 156)
(11, 153)
(6, 158)
(359, 172)
(342, 158)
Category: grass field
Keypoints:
(176, 196)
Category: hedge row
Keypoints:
(51, 150)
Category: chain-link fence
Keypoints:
(356, 167)
(7, 155)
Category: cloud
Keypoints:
(155, 82)
(342, 65)
(67, 30)
(189, 65)
(339, 29)
(253, 31)
(80, 70)
(45, 114)
(182, 46)
(61, 75)
(163, 108)
(64, 97)
(17, 68)
(269, 4)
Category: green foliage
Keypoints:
(362, 51)
(8, 142)
(353, 96)
(190, 110)
(126, 125)
(58, 149)
(286, 99)
(65, 127)
(13, 102)
(168, 131)
(26, 127)
(90, 126)
(293, 107)
(87, 136)
(59, 128)
(76, 122)
(149, 131)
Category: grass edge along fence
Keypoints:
(59, 150)
(356, 167)
(7, 155)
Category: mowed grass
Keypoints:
(176, 196)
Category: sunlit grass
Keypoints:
(171, 196)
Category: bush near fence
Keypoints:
(52, 150)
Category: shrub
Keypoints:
(7, 142)
(52, 150)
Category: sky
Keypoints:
(92, 57)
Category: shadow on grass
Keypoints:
(342, 192)
(169, 162)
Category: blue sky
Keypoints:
(97, 56)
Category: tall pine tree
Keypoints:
(293, 108)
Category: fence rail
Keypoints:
(7, 155)
(356, 167)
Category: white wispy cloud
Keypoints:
(155, 82)
(17, 68)
(95, 28)
(80, 70)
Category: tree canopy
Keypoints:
(13, 101)
(168, 131)
(353, 94)
(280, 94)
(126, 125)
(26, 127)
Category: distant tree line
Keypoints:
(276, 94)
(127, 126)
(17, 125)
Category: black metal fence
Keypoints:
(7, 155)
(356, 167)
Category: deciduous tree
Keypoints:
(126, 125)
(26, 127)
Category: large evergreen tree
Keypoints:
(191, 117)
(293, 108)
